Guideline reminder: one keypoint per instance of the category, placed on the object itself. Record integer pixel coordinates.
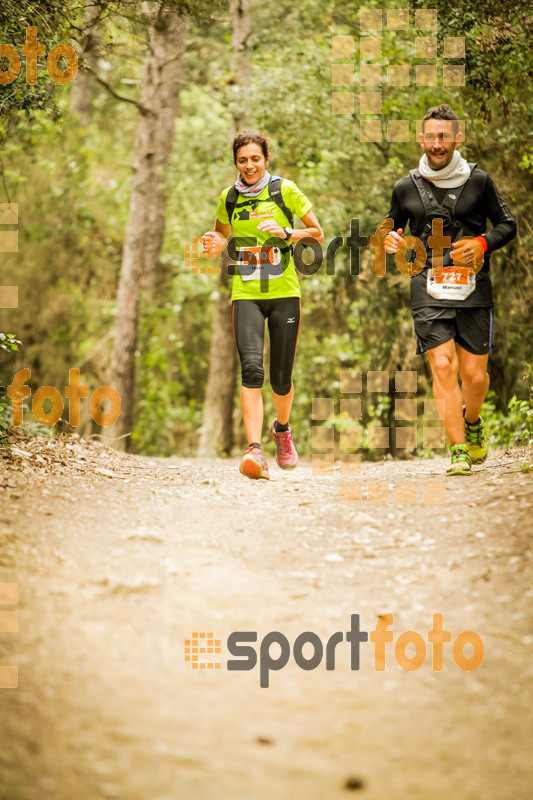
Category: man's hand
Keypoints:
(270, 226)
(467, 252)
(394, 241)
(461, 253)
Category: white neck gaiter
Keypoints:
(452, 176)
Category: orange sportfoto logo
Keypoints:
(74, 391)
(198, 647)
(274, 650)
(31, 50)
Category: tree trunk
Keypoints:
(241, 59)
(146, 221)
(217, 427)
(82, 88)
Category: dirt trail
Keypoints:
(119, 559)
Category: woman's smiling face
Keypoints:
(251, 163)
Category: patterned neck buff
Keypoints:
(255, 189)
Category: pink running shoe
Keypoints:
(286, 456)
(254, 464)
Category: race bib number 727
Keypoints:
(451, 283)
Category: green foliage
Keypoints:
(527, 162)
(29, 426)
(8, 344)
(515, 425)
(73, 191)
(171, 378)
(52, 25)
(71, 221)
(5, 418)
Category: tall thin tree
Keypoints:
(158, 107)
(82, 88)
(217, 427)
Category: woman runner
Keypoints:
(259, 210)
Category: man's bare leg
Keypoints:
(444, 364)
(474, 381)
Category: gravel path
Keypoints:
(119, 560)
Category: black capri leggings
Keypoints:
(283, 315)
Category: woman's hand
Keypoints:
(211, 242)
(311, 231)
(270, 226)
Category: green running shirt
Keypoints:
(245, 221)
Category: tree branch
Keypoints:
(6, 99)
(117, 95)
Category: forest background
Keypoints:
(115, 173)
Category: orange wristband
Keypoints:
(482, 241)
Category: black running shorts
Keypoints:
(469, 327)
(283, 318)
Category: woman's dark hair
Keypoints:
(442, 112)
(250, 137)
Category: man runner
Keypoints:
(452, 307)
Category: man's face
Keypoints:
(438, 143)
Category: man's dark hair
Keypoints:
(250, 137)
(442, 112)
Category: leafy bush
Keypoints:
(515, 426)
(9, 344)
